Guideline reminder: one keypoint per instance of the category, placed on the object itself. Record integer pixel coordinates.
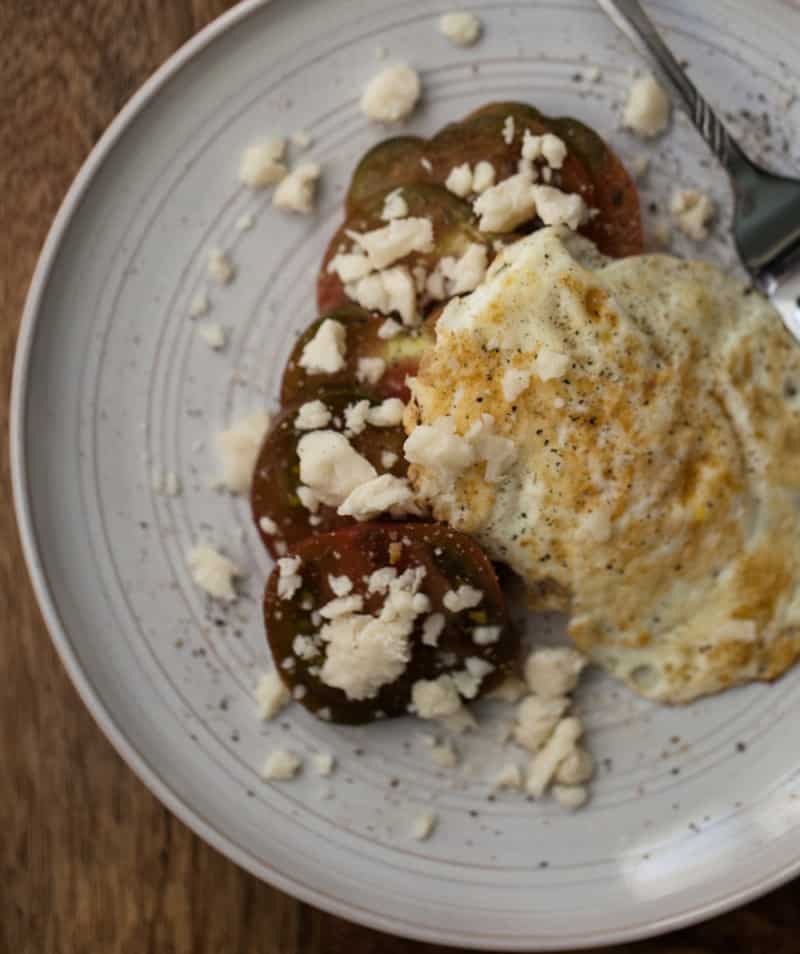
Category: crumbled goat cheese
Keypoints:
(555, 207)
(508, 130)
(370, 370)
(271, 695)
(199, 305)
(503, 207)
(331, 467)
(308, 498)
(468, 681)
(536, 720)
(692, 212)
(576, 768)
(464, 598)
(435, 698)
(383, 494)
(281, 765)
(552, 673)
(304, 647)
(483, 176)
(342, 606)
(432, 629)
(485, 635)
(261, 164)
(392, 94)
(296, 191)
(437, 447)
(389, 329)
(387, 291)
(301, 139)
(394, 206)
(647, 109)
(268, 525)
(289, 580)
(424, 825)
(238, 448)
(213, 572)
(444, 755)
(558, 747)
(355, 417)
(554, 150)
(499, 453)
(213, 334)
(388, 413)
(350, 266)
(459, 180)
(460, 27)
(325, 352)
(550, 364)
(400, 237)
(515, 381)
(531, 146)
(324, 763)
(509, 777)
(465, 273)
(388, 459)
(220, 268)
(341, 585)
(312, 416)
(571, 797)
(245, 222)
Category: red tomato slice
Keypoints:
(450, 560)
(278, 511)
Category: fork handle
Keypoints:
(629, 16)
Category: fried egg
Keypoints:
(625, 435)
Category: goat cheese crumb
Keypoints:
(245, 222)
(370, 370)
(390, 290)
(394, 206)
(389, 329)
(432, 629)
(552, 673)
(459, 180)
(536, 720)
(268, 525)
(571, 797)
(238, 448)
(554, 150)
(435, 698)
(692, 212)
(213, 334)
(261, 164)
(342, 606)
(355, 417)
(324, 763)
(485, 635)
(444, 755)
(509, 777)
(437, 447)
(271, 695)
(465, 597)
(325, 352)
(297, 190)
(220, 268)
(647, 109)
(383, 494)
(388, 413)
(483, 176)
(330, 466)
(424, 825)
(213, 572)
(508, 130)
(504, 206)
(400, 237)
(281, 766)
(199, 305)
(289, 580)
(576, 768)
(465, 273)
(460, 27)
(555, 207)
(350, 266)
(392, 94)
(545, 764)
(312, 416)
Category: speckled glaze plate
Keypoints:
(694, 809)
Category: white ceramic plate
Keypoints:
(694, 809)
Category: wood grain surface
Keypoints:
(91, 862)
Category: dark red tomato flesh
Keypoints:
(278, 512)
(454, 229)
(450, 560)
(401, 355)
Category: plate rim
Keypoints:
(114, 733)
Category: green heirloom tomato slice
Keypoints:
(450, 560)
(401, 355)
(393, 162)
(454, 229)
(279, 513)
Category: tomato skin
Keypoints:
(392, 163)
(450, 558)
(276, 478)
(401, 354)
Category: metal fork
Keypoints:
(766, 222)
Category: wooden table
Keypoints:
(90, 860)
